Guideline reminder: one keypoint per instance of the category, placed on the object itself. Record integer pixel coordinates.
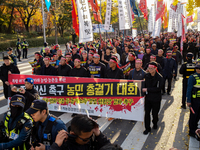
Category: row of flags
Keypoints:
(173, 19)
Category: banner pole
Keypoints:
(44, 34)
(140, 25)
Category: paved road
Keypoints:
(172, 131)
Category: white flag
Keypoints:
(170, 20)
(157, 28)
(85, 24)
(179, 33)
(198, 16)
(108, 15)
(150, 21)
(124, 15)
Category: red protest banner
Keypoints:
(101, 97)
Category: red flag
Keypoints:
(183, 32)
(95, 9)
(160, 9)
(75, 18)
(143, 8)
(132, 14)
(189, 19)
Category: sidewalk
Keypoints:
(31, 52)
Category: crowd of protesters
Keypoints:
(153, 60)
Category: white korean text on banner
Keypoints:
(124, 15)
(157, 28)
(198, 16)
(134, 32)
(95, 28)
(85, 24)
(100, 97)
(170, 20)
(150, 21)
(108, 15)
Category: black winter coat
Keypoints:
(4, 71)
(64, 70)
(50, 70)
(154, 85)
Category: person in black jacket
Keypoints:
(152, 89)
(83, 134)
(137, 73)
(185, 46)
(47, 69)
(28, 92)
(146, 57)
(69, 59)
(160, 58)
(64, 68)
(78, 70)
(114, 72)
(97, 69)
(47, 53)
(40, 63)
(176, 54)
(169, 71)
(74, 54)
(7, 68)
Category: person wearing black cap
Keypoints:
(78, 70)
(193, 99)
(152, 90)
(29, 92)
(82, 134)
(186, 70)
(154, 49)
(18, 46)
(18, 125)
(125, 54)
(39, 63)
(46, 127)
(114, 72)
(12, 56)
(64, 68)
(7, 68)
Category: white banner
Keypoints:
(150, 21)
(179, 33)
(124, 15)
(85, 24)
(157, 28)
(170, 20)
(95, 28)
(108, 15)
(134, 32)
(198, 16)
(177, 16)
(173, 20)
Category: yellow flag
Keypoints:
(175, 2)
(195, 15)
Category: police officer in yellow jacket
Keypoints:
(186, 70)
(18, 125)
(193, 99)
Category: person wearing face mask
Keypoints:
(18, 125)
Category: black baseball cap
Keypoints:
(36, 106)
(190, 55)
(18, 100)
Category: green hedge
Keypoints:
(34, 42)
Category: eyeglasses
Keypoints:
(85, 140)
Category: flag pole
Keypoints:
(140, 25)
(44, 33)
